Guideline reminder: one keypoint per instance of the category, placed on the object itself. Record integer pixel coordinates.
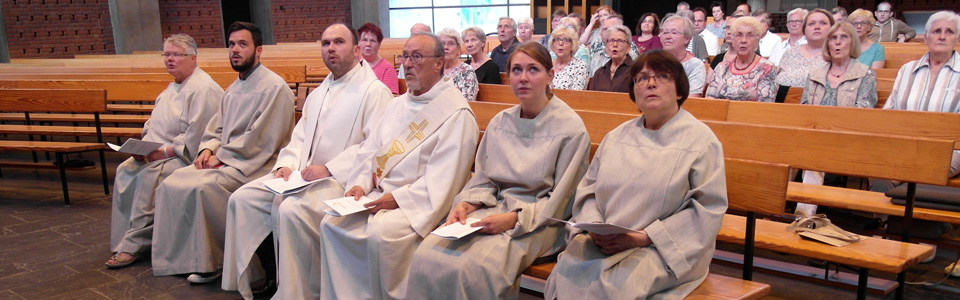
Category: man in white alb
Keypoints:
(417, 158)
(337, 116)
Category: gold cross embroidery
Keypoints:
(416, 130)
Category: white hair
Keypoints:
(621, 28)
(451, 33)
(943, 15)
(183, 41)
(512, 22)
(526, 20)
(687, 25)
(803, 12)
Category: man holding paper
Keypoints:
(415, 160)
(180, 114)
(337, 116)
(240, 144)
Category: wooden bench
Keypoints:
(80, 101)
(88, 118)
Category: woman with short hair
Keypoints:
(370, 38)
(798, 61)
(648, 30)
(487, 71)
(462, 74)
(872, 54)
(570, 72)
(748, 76)
(675, 35)
(525, 29)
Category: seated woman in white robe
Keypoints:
(528, 164)
(662, 175)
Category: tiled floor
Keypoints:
(48, 251)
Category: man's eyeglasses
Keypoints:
(415, 58)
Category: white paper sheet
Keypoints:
(598, 228)
(456, 230)
(347, 205)
(135, 146)
(294, 185)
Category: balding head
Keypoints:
(339, 49)
(422, 75)
(420, 27)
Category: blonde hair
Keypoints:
(862, 13)
(482, 36)
(183, 41)
(748, 21)
(564, 32)
(571, 22)
(854, 40)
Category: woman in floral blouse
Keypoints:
(747, 77)
(462, 74)
(570, 72)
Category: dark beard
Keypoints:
(244, 65)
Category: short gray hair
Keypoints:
(687, 25)
(526, 20)
(482, 36)
(803, 12)
(437, 44)
(512, 22)
(183, 41)
(621, 28)
(451, 33)
(943, 15)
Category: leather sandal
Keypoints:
(122, 263)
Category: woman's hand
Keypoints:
(615, 243)
(498, 223)
(460, 211)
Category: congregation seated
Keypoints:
(507, 35)
(871, 52)
(486, 70)
(675, 34)
(525, 29)
(614, 75)
(573, 21)
(570, 73)
(527, 167)
(888, 29)
(697, 46)
(648, 29)
(798, 61)
(370, 38)
(178, 121)
(929, 84)
(747, 76)
(716, 9)
(554, 24)
(727, 41)
(795, 29)
(711, 41)
(768, 40)
(591, 34)
(598, 48)
(627, 185)
(461, 73)
(839, 14)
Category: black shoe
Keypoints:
(266, 291)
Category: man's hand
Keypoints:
(212, 162)
(138, 157)
(315, 172)
(385, 202)
(459, 213)
(615, 243)
(498, 223)
(202, 158)
(156, 155)
(283, 172)
(356, 192)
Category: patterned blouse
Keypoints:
(796, 67)
(754, 84)
(465, 79)
(573, 77)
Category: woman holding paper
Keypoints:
(527, 166)
(661, 174)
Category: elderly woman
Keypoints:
(647, 29)
(930, 84)
(570, 72)
(675, 34)
(839, 14)
(795, 28)
(582, 52)
(554, 24)
(486, 70)
(798, 61)
(591, 34)
(178, 121)
(872, 53)
(614, 75)
(748, 76)
(629, 184)
(525, 29)
(528, 165)
(462, 74)
(370, 38)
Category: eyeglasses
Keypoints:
(616, 41)
(794, 21)
(415, 58)
(741, 35)
(883, 11)
(564, 40)
(663, 32)
(451, 44)
(644, 79)
(859, 23)
(174, 54)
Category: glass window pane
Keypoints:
(519, 11)
(467, 2)
(519, 1)
(402, 19)
(409, 3)
(460, 18)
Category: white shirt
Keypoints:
(782, 48)
(768, 42)
(712, 41)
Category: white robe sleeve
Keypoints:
(682, 237)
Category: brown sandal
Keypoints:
(118, 264)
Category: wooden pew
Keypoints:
(80, 101)
(795, 94)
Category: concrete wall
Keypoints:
(4, 46)
(136, 25)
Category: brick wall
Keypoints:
(57, 28)
(304, 20)
(201, 19)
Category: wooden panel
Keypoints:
(908, 159)
(756, 186)
(129, 132)
(41, 165)
(485, 111)
(41, 117)
(141, 108)
(49, 146)
(866, 201)
(600, 123)
(871, 253)
(133, 90)
(719, 287)
(31, 100)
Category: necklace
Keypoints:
(745, 67)
(841, 73)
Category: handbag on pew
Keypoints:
(927, 196)
(819, 228)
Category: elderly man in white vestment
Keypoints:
(180, 115)
(337, 117)
(240, 144)
(415, 160)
